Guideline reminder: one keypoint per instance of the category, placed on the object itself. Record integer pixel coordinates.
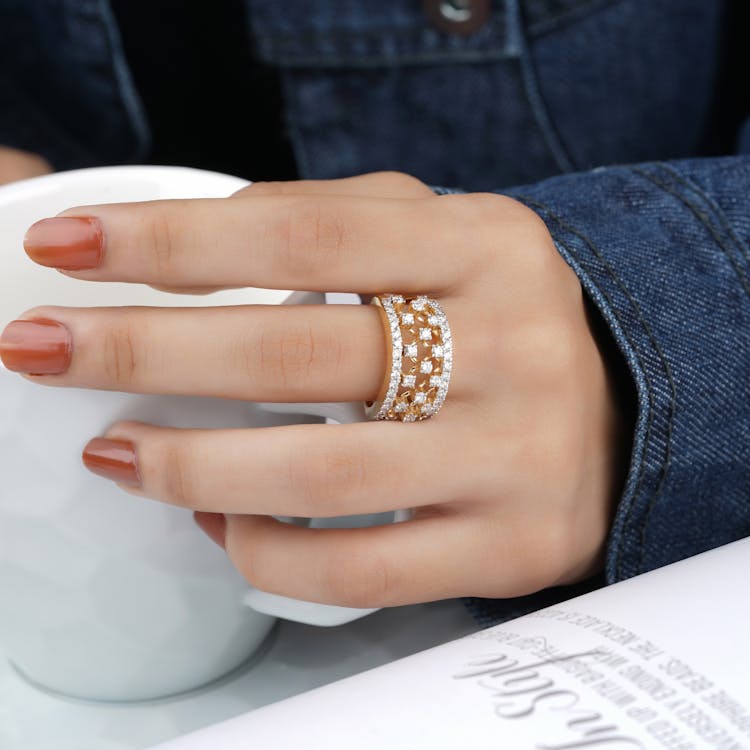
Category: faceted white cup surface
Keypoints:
(102, 595)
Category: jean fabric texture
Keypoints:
(606, 117)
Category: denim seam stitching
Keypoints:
(627, 522)
(703, 217)
(374, 61)
(292, 119)
(497, 24)
(534, 93)
(720, 215)
(554, 23)
(128, 93)
(494, 48)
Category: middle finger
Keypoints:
(253, 352)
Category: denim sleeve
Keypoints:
(65, 89)
(663, 252)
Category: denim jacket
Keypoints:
(607, 117)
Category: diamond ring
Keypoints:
(421, 358)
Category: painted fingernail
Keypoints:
(36, 347)
(72, 243)
(214, 525)
(112, 459)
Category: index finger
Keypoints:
(310, 242)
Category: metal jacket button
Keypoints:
(462, 17)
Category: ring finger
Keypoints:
(285, 353)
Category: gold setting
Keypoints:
(421, 358)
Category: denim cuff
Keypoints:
(661, 249)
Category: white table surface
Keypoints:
(294, 659)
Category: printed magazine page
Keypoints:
(658, 661)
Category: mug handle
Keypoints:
(312, 613)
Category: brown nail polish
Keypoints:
(214, 525)
(36, 347)
(112, 459)
(72, 243)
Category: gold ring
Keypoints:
(420, 349)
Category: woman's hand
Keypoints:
(20, 165)
(512, 483)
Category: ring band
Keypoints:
(421, 358)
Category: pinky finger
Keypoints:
(402, 563)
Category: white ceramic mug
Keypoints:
(102, 595)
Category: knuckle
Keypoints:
(504, 231)
(401, 182)
(179, 479)
(532, 246)
(474, 224)
(309, 239)
(362, 579)
(332, 352)
(484, 210)
(123, 357)
(161, 241)
(285, 357)
(323, 480)
(345, 472)
(486, 205)
(305, 482)
(248, 556)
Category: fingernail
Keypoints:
(36, 347)
(72, 243)
(214, 525)
(112, 459)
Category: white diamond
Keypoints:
(419, 303)
(436, 381)
(407, 319)
(433, 320)
(410, 418)
(396, 352)
(400, 406)
(397, 299)
(425, 334)
(409, 381)
(427, 408)
(420, 397)
(437, 351)
(425, 366)
(410, 350)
